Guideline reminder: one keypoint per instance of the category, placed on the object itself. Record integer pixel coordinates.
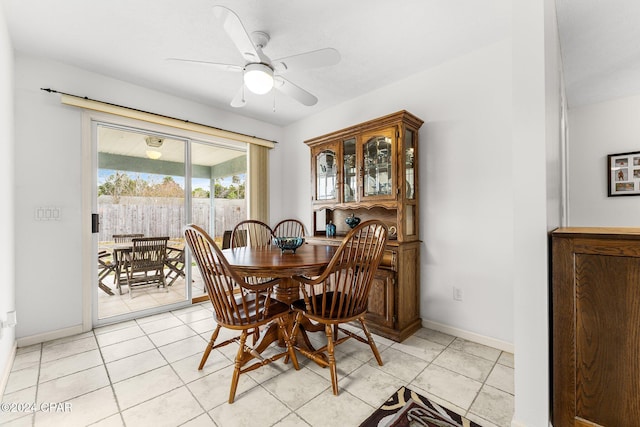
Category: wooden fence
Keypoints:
(165, 216)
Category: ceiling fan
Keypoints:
(261, 74)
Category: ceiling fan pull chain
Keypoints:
(274, 101)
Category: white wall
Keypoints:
(466, 211)
(48, 148)
(7, 284)
(596, 131)
(537, 187)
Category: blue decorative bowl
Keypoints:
(288, 243)
(352, 221)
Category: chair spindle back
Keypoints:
(252, 233)
(345, 292)
(227, 290)
(289, 228)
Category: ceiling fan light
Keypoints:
(153, 154)
(153, 141)
(258, 78)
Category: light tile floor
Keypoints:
(144, 373)
(145, 298)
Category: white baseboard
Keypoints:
(7, 369)
(48, 336)
(470, 336)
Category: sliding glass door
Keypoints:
(218, 202)
(150, 184)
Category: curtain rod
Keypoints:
(155, 114)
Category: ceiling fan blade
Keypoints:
(295, 92)
(224, 67)
(234, 28)
(238, 101)
(316, 58)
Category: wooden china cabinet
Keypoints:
(370, 170)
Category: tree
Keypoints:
(218, 189)
(200, 193)
(120, 184)
(167, 188)
(117, 185)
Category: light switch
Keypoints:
(47, 213)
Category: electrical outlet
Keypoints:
(12, 319)
(457, 294)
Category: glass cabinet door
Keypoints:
(326, 175)
(350, 184)
(409, 165)
(408, 153)
(377, 152)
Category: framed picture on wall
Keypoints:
(623, 174)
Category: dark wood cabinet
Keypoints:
(382, 298)
(596, 327)
(371, 170)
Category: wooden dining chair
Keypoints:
(226, 239)
(144, 264)
(238, 305)
(289, 228)
(251, 233)
(340, 294)
(255, 234)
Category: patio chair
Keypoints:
(175, 264)
(105, 267)
(238, 306)
(340, 294)
(144, 264)
(289, 228)
(126, 238)
(118, 257)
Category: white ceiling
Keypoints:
(380, 42)
(600, 41)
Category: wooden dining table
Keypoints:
(271, 262)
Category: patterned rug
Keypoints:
(406, 408)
